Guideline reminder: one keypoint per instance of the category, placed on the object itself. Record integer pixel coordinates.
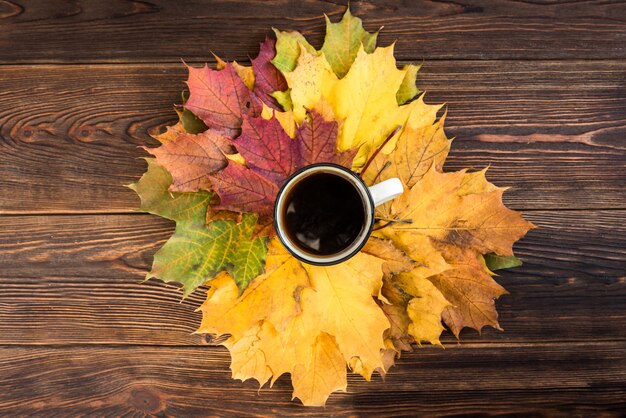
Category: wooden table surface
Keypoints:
(535, 89)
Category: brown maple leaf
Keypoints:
(445, 223)
(470, 289)
(190, 159)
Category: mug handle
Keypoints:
(386, 190)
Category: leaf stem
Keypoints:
(404, 221)
(381, 226)
(369, 161)
(390, 221)
(386, 166)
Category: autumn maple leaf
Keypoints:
(299, 319)
(271, 156)
(190, 159)
(446, 222)
(268, 78)
(364, 99)
(220, 98)
(243, 131)
(197, 251)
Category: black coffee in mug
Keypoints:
(323, 214)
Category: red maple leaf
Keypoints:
(271, 157)
(268, 78)
(316, 142)
(267, 148)
(220, 98)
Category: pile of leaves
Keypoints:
(242, 131)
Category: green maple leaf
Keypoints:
(341, 45)
(497, 262)
(284, 99)
(152, 189)
(288, 49)
(343, 40)
(198, 251)
(408, 90)
(191, 123)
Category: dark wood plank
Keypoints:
(78, 280)
(56, 311)
(554, 131)
(588, 245)
(527, 380)
(80, 334)
(158, 30)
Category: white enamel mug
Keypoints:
(370, 197)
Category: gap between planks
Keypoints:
(10, 214)
(400, 62)
(446, 344)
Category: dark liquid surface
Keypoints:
(323, 214)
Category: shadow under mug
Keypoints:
(370, 198)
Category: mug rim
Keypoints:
(364, 237)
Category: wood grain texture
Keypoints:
(554, 131)
(535, 89)
(78, 280)
(158, 30)
(523, 380)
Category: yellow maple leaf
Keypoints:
(476, 182)
(248, 360)
(424, 309)
(311, 80)
(322, 372)
(345, 308)
(272, 296)
(446, 221)
(418, 147)
(364, 100)
(302, 318)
